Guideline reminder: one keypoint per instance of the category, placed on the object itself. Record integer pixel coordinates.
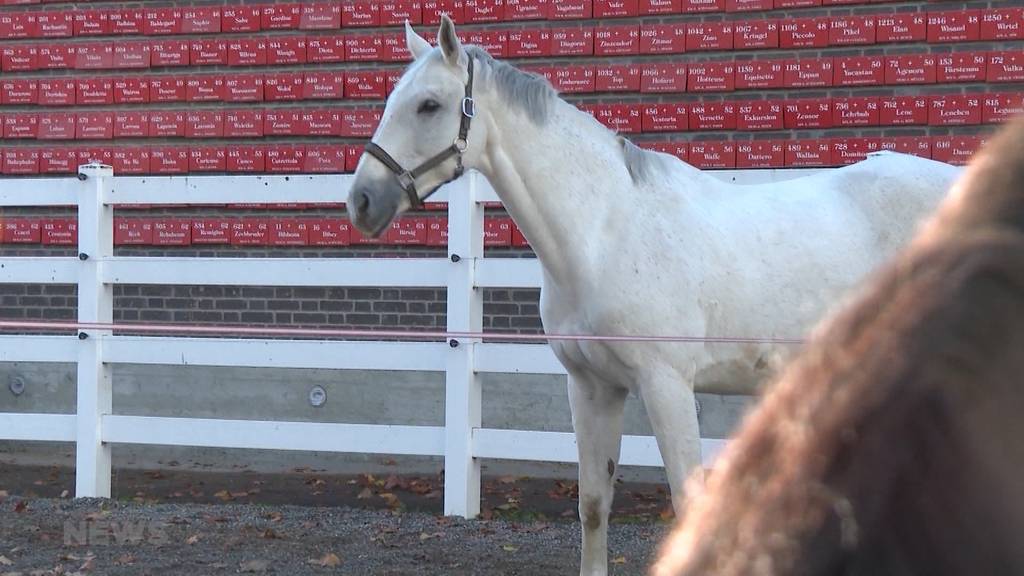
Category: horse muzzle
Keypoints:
(372, 208)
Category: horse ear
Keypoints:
(449, 41)
(417, 45)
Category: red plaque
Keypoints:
(157, 21)
(167, 89)
(21, 161)
(245, 123)
(754, 34)
(204, 124)
(759, 74)
(207, 159)
(205, 88)
(132, 55)
(365, 84)
(396, 12)
(56, 92)
(616, 8)
(172, 232)
(759, 115)
(804, 33)
(1001, 107)
(168, 160)
(663, 78)
(901, 27)
(131, 124)
(56, 126)
(286, 50)
(903, 111)
(524, 43)
(910, 69)
(574, 79)
(246, 159)
(709, 36)
(19, 91)
(364, 47)
(281, 16)
(211, 231)
(247, 52)
(808, 153)
(283, 86)
(617, 40)
(852, 30)
(324, 85)
(54, 57)
(94, 56)
(243, 88)
(573, 9)
(289, 232)
(55, 24)
(360, 13)
(954, 26)
(169, 53)
(320, 16)
(327, 49)
(282, 122)
(760, 154)
(808, 113)
(712, 77)
(133, 160)
(325, 158)
(859, 71)
(94, 91)
(662, 38)
(709, 155)
(94, 126)
(58, 161)
(1005, 67)
(572, 41)
(955, 110)
(169, 124)
(713, 116)
(484, 11)
(996, 24)
(21, 126)
(201, 20)
(208, 53)
(618, 78)
(665, 118)
(961, 67)
(285, 158)
(235, 18)
(329, 232)
(855, 111)
(807, 73)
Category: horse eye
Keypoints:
(428, 107)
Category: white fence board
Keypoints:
(337, 355)
(32, 348)
(517, 359)
(269, 435)
(44, 427)
(40, 191)
(37, 270)
(382, 272)
(561, 447)
(509, 273)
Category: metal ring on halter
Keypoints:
(460, 144)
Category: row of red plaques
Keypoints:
(695, 77)
(294, 159)
(609, 40)
(743, 115)
(373, 13)
(498, 232)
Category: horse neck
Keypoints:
(559, 181)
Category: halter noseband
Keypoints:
(407, 178)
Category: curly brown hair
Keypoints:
(894, 443)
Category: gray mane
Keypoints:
(535, 96)
(530, 92)
(640, 162)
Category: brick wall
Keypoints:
(622, 90)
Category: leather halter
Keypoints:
(407, 178)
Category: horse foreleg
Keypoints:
(597, 420)
(672, 408)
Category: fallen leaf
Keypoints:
(619, 560)
(254, 566)
(391, 500)
(273, 516)
(20, 507)
(269, 534)
(329, 560)
(507, 479)
(65, 494)
(5, 561)
(3, 496)
(668, 513)
(509, 548)
(365, 493)
(87, 565)
(432, 535)
(126, 560)
(224, 495)
(192, 539)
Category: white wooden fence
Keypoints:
(462, 441)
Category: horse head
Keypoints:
(426, 137)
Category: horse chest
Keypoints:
(565, 315)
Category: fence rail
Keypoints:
(462, 441)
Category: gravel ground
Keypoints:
(52, 536)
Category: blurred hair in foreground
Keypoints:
(894, 443)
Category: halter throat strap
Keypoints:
(407, 178)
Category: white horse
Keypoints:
(635, 242)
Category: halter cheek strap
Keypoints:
(407, 178)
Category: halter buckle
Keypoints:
(468, 107)
(406, 180)
(460, 144)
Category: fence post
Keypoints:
(465, 314)
(95, 304)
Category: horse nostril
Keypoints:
(363, 201)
